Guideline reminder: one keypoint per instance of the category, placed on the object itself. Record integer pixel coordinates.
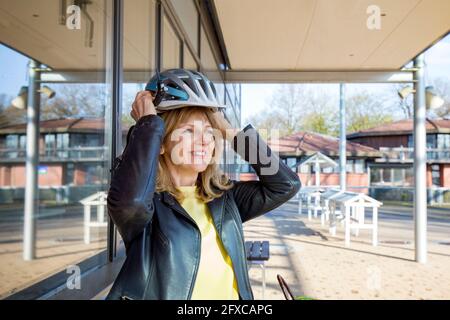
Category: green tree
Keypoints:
(317, 122)
(366, 111)
(295, 108)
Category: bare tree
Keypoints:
(396, 102)
(5, 101)
(309, 108)
(10, 115)
(79, 100)
(297, 107)
(442, 88)
(440, 85)
(365, 111)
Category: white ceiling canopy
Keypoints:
(299, 35)
(264, 40)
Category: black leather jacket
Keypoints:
(162, 241)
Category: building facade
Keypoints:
(392, 174)
(298, 147)
(379, 160)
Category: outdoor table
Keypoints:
(97, 199)
(311, 195)
(325, 198)
(353, 207)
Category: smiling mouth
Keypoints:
(199, 153)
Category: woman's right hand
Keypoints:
(142, 105)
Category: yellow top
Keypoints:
(215, 277)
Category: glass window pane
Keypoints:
(375, 176)
(398, 176)
(410, 141)
(431, 141)
(207, 58)
(443, 144)
(359, 166)
(409, 177)
(187, 12)
(171, 46)
(220, 89)
(436, 175)
(304, 169)
(349, 166)
(387, 175)
(140, 30)
(188, 60)
(291, 162)
(11, 146)
(139, 37)
(138, 55)
(63, 178)
(12, 141)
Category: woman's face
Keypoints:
(191, 145)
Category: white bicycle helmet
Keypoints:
(179, 88)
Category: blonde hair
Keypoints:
(210, 183)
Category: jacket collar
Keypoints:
(216, 207)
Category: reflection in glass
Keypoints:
(171, 46)
(73, 169)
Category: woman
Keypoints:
(179, 216)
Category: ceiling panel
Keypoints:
(259, 35)
(32, 28)
(264, 34)
(339, 37)
(310, 35)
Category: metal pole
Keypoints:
(32, 162)
(420, 162)
(317, 169)
(342, 139)
(116, 109)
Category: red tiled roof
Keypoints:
(308, 143)
(402, 127)
(62, 125)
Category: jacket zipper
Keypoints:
(243, 253)
(194, 278)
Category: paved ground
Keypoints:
(312, 262)
(317, 265)
(59, 244)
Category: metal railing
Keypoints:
(402, 154)
(55, 154)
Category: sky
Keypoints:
(13, 71)
(255, 97)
